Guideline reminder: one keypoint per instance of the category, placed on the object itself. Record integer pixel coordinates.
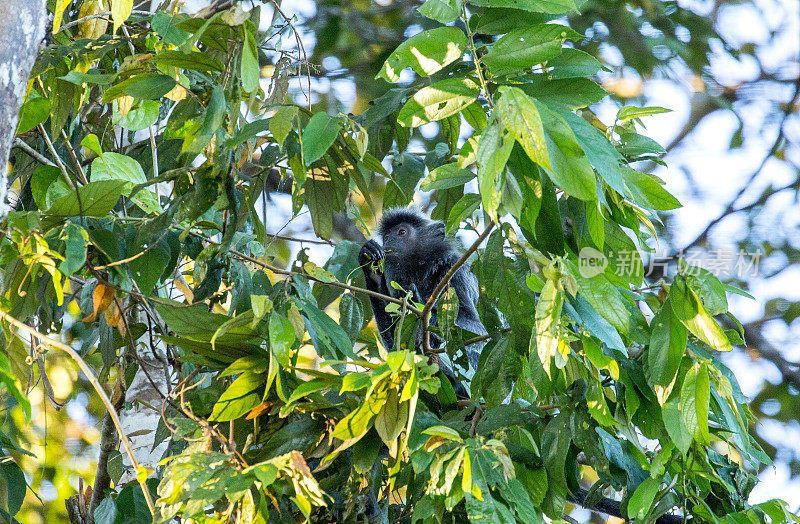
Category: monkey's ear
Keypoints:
(438, 229)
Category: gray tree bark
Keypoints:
(22, 27)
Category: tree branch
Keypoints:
(440, 287)
(703, 236)
(612, 507)
(342, 285)
(112, 412)
(32, 152)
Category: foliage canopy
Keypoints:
(139, 227)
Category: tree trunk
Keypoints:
(22, 27)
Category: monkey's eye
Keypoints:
(401, 231)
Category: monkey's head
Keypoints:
(408, 235)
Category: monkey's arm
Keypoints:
(466, 286)
(372, 254)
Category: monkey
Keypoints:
(416, 254)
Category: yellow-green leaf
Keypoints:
(120, 11)
(438, 101)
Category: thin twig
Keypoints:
(475, 418)
(74, 157)
(288, 272)
(58, 160)
(302, 49)
(99, 15)
(772, 150)
(475, 58)
(32, 152)
(155, 160)
(97, 387)
(342, 285)
(481, 338)
(137, 255)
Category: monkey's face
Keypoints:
(400, 241)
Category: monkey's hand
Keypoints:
(371, 258)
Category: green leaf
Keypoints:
(328, 337)
(667, 345)
(356, 424)
(556, 439)
(318, 136)
(120, 11)
(462, 210)
(114, 166)
(392, 418)
(443, 11)
(646, 190)
(501, 20)
(58, 13)
(676, 429)
(148, 268)
(570, 169)
(167, 26)
(251, 73)
(548, 318)
(695, 397)
(281, 122)
(351, 316)
(14, 386)
(92, 143)
(62, 102)
(281, 338)
(252, 363)
(475, 116)
(634, 145)
(248, 131)
(519, 115)
(444, 432)
(78, 78)
(407, 170)
(445, 177)
(707, 286)
(438, 101)
(606, 299)
(494, 148)
(151, 87)
(239, 398)
(105, 512)
(603, 156)
(197, 324)
(312, 386)
(572, 63)
(140, 118)
(426, 53)
(194, 60)
(97, 199)
(629, 112)
(498, 370)
(642, 499)
(76, 239)
(571, 92)
(215, 114)
(555, 7)
(524, 48)
(32, 113)
(15, 486)
(690, 311)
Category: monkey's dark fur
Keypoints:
(417, 254)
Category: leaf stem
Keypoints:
(475, 58)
